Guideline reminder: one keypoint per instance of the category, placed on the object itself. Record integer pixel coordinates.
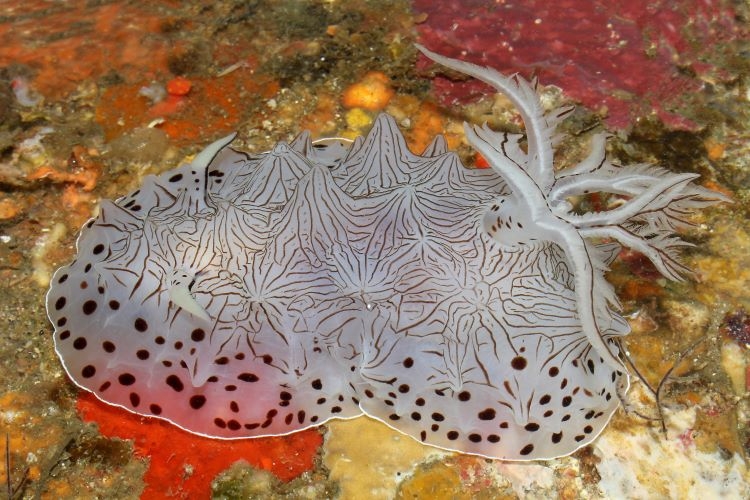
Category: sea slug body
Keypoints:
(247, 295)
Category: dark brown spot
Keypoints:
(142, 354)
(419, 402)
(579, 438)
(234, 407)
(248, 377)
(175, 383)
(452, 435)
(336, 409)
(464, 396)
(197, 335)
(197, 401)
(554, 371)
(518, 363)
(63, 278)
(89, 307)
(408, 363)
(545, 399)
(369, 393)
(415, 415)
(88, 371)
(475, 438)
(175, 178)
(233, 425)
(222, 360)
(64, 335)
(155, 409)
(60, 303)
(159, 340)
(220, 423)
(493, 438)
(98, 249)
(108, 346)
(62, 321)
(527, 449)
(487, 414)
(114, 305)
(403, 388)
(265, 424)
(438, 417)
(106, 385)
(566, 401)
(80, 343)
(317, 384)
(140, 325)
(393, 416)
(588, 429)
(126, 379)
(267, 359)
(557, 437)
(285, 396)
(531, 427)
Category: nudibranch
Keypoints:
(245, 295)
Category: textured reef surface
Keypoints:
(95, 96)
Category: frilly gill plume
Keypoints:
(660, 203)
(253, 295)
